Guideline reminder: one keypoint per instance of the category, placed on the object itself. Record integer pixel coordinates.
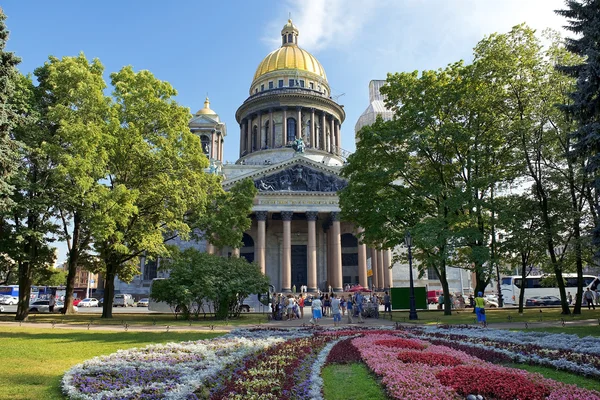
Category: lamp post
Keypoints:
(413, 311)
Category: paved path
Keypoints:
(305, 322)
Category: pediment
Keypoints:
(203, 120)
(298, 175)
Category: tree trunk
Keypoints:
(24, 291)
(524, 262)
(109, 289)
(72, 263)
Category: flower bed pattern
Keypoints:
(286, 364)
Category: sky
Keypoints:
(213, 48)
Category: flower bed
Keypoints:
(286, 364)
(564, 352)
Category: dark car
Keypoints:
(542, 301)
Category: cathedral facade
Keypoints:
(291, 148)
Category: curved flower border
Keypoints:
(176, 371)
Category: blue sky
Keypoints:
(205, 47)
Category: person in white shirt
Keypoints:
(316, 310)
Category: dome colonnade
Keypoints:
(289, 98)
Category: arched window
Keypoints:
(291, 129)
(307, 132)
(290, 39)
(266, 144)
(205, 140)
(254, 138)
(247, 250)
(284, 39)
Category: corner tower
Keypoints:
(290, 98)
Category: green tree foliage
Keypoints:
(78, 113)
(584, 21)
(154, 173)
(50, 277)
(9, 117)
(204, 283)
(30, 226)
(224, 218)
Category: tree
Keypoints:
(30, 226)
(527, 88)
(155, 173)
(9, 117)
(200, 282)
(522, 246)
(224, 218)
(78, 112)
(584, 20)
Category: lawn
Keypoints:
(34, 359)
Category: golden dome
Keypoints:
(206, 109)
(290, 57)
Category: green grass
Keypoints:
(561, 376)
(508, 315)
(350, 382)
(136, 319)
(34, 359)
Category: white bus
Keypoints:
(542, 285)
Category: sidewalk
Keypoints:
(294, 323)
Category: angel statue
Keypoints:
(299, 145)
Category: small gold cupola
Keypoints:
(289, 34)
(206, 109)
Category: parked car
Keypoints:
(43, 306)
(8, 300)
(542, 301)
(76, 301)
(433, 296)
(143, 302)
(123, 300)
(101, 302)
(1, 309)
(88, 302)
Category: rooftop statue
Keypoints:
(299, 145)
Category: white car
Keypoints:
(8, 300)
(43, 306)
(88, 302)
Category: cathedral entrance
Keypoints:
(299, 267)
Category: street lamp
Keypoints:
(413, 311)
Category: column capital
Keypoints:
(335, 216)
(311, 215)
(287, 215)
(261, 215)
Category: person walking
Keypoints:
(480, 308)
(301, 305)
(317, 313)
(570, 298)
(349, 306)
(359, 307)
(387, 303)
(336, 310)
(52, 302)
(589, 298)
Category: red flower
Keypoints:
(401, 344)
(497, 384)
(432, 359)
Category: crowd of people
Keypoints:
(327, 305)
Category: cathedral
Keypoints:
(291, 148)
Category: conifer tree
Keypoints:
(583, 19)
(8, 117)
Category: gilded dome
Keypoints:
(206, 110)
(290, 57)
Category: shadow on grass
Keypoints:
(104, 336)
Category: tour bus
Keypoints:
(542, 285)
(13, 290)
